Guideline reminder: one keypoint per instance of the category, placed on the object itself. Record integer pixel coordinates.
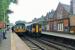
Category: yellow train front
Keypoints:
(20, 29)
(35, 29)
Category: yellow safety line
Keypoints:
(13, 42)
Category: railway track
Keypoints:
(60, 44)
(36, 45)
(57, 45)
(63, 45)
(44, 43)
(31, 44)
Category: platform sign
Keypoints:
(2, 25)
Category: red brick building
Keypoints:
(57, 22)
(72, 24)
(63, 19)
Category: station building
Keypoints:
(63, 18)
(60, 20)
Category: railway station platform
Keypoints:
(64, 35)
(13, 42)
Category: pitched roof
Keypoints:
(66, 7)
(50, 14)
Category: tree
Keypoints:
(4, 5)
(14, 1)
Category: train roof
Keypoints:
(30, 24)
(19, 22)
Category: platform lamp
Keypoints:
(4, 18)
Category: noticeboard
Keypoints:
(66, 22)
(72, 21)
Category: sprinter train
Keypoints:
(34, 29)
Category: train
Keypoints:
(34, 29)
(19, 28)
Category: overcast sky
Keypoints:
(29, 9)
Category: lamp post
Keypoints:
(4, 16)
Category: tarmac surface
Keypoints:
(13, 42)
(5, 44)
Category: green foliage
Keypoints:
(14, 1)
(4, 5)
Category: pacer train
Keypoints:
(19, 28)
(33, 29)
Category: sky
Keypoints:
(26, 10)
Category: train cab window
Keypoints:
(16, 27)
(20, 27)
